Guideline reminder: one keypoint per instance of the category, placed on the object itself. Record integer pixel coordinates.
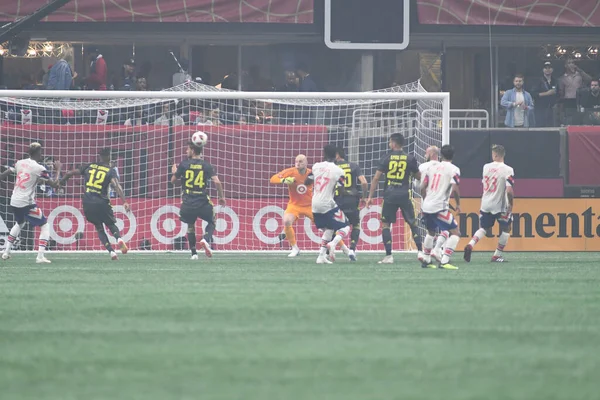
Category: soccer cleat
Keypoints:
(323, 260)
(113, 256)
(5, 255)
(421, 256)
(429, 265)
(42, 260)
(331, 252)
(386, 260)
(295, 251)
(207, 250)
(194, 257)
(498, 259)
(468, 251)
(123, 246)
(447, 266)
(351, 255)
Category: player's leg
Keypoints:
(439, 243)
(111, 223)
(408, 213)
(207, 213)
(430, 223)
(353, 216)
(388, 217)
(337, 221)
(290, 216)
(15, 231)
(486, 223)
(95, 214)
(104, 239)
(505, 222)
(320, 222)
(187, 215)
(36, 217)
(445, 221)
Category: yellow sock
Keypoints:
(290, 235)
(341, 244)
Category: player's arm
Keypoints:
(117, 186)
(53, 183)
(310, 179)
(374, 184)
(282, 178)
(510, 193)
(456, 191)
(69, 175)
(176, 173)
(364, 185)
(220, 191)
(424, 185)
(7, 172)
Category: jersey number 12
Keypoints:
(96, 179)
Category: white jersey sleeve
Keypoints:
(496, 178)
(28, 172)
(326, 175)
(439, 179)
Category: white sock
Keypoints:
(325, 239)
(340, 234)
(44, 237)
(428, 244)
(441, 239)
(15, 231)
(502, 243)
(450, 246)
(480, 234)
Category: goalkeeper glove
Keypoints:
(289, 180)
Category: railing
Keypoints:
(459, 118)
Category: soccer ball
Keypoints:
(199, 138)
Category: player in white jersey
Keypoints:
(432, 155)
(439, 183)
(496, 203)
(328, 216)
(29, 174)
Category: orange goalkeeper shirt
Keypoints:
(300, 194)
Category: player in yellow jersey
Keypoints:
(300, 203)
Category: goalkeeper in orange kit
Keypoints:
(300, 204)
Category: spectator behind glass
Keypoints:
(61, 75)
(292, 82)
(96, 79)
(569, 83)
(518, 104)
(590, 103)
(128, 80)
(165, 117)
(545, 95)
(307, 84)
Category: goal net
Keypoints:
(251, 136)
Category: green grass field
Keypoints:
(260, 326)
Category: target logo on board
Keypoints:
(311, 231)
(227, 225)
(267, 224)
(166, 226)
(370, 225)
(126, 222)
(65, 222)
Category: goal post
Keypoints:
(251, 136)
